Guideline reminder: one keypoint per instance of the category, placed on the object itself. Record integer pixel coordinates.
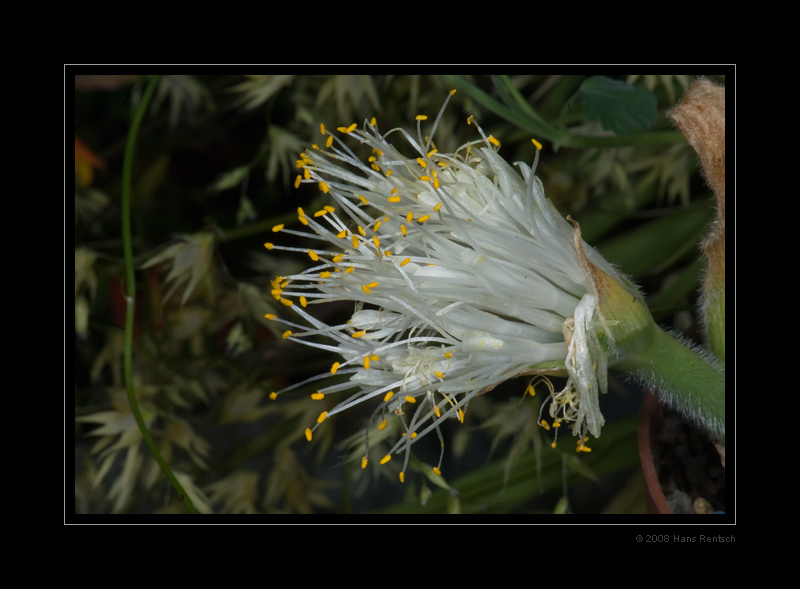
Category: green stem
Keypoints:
(684, 377)
(130, 296)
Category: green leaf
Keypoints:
(618, 106)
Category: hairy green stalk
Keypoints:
(130, 295)
(685, 377)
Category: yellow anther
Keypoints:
(436, 470)
(556, 423)
(394, 199)
(317, 396)
(337, 259)
(366, 362)
(287, 334)
(409, 216)
(324, 274)
(432, 151)
(362, 231)
(355, 241)
(308, 434)
(387, 253)
(388, 173)
(493, 141)
(375, 167)
(421, 117)
(382, 425)
(402, 477)
(303, 220)
(425, 178)
(422, 162)
(413, 435)
(269, 245)
(374, 357)
(377, 225)
(306, 174)
(342, 234)
(536, 143)
(436, 182)
(322, 417)
(387, 396)
(461, 416)
(324, 187)
(277, 228)
(329, 141)
(334, 368)
(297, 181)
(406, 261)
(423, 218)
(439, 374)
(372, 284)
(530, 390)
(437, 206)
(329, 208)
(362, 199)
(410, 399)
(313, 255)
(366, 289)
(320, 213)
(373, 121)
(385, 459)
(359, 333)
(270, 316)
(470, 118)
(273, 395)
(322, 128)
(436, 411)
(286, 302)
(349, 129)
(364, 462)
(553, 445)
(403, 230)
(448, 354)
(453, 91)
(545, 425)
(349, 270)
(376, 241)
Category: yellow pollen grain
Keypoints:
(385, 459)
(406, 261)
(286, 302)
(387, 396)
(334, 368)
(436, 470)
(382, 425)
(437, 206)
(313, 255)
(270, 316)
(364, 462)
(536, 143)
(317, 396)
(287, 334)
(322, 417)
(277, 228)
(308, 434)
(422, 117)
(297, 181)
(269, 245)
(410, 399)
(423, 218)
(324, 187)
(273, 395)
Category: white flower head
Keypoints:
(462, 273)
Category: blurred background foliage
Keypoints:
(214, 169)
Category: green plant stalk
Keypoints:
(130, 295)
(684, 377)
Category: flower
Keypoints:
(462, 273)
